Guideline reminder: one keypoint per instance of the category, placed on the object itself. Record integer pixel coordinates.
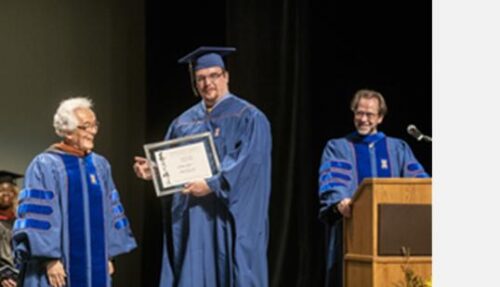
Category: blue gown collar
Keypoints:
(373, 138)
(220, 100)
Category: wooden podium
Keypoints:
(368, 261)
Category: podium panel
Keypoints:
(364, 262)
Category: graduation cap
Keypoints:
(205, 57)
(10, 177)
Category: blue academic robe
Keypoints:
(70, 210)
(345, 163)
(221, 239)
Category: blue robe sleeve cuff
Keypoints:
(219, 186)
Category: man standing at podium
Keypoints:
(347, 161)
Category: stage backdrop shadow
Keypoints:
(300, 62)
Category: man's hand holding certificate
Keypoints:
(8, 275)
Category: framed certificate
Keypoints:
(182, 160)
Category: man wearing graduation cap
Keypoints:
(70, 222)
(219, 231)
(346, 161)
(8, 198)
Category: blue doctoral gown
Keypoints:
(221, 239)
(344, 164)
(70, 210)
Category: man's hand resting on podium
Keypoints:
(344, 207)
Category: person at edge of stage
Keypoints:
(9, 191)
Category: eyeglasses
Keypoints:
(211, 77)
(7, 192)
(360, 114)
(88, 126)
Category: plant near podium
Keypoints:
(411, 279)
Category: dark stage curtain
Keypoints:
(272, 69)
(300, 62)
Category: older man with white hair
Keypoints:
(70, 220)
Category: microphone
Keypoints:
(416, 133)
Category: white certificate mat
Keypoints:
(182, 164)
(182, 160)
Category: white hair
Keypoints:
(65, 120)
